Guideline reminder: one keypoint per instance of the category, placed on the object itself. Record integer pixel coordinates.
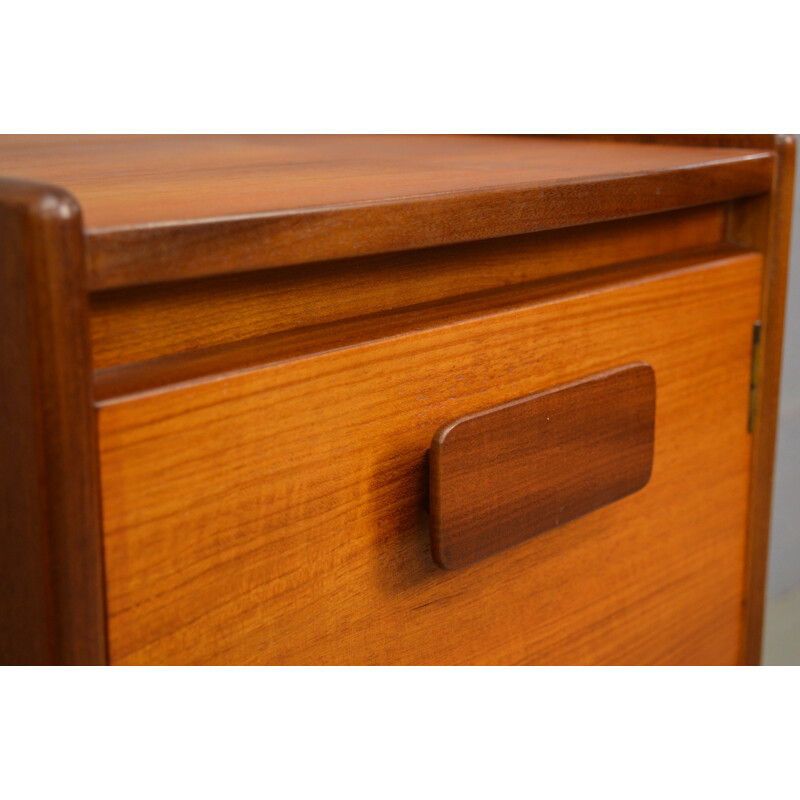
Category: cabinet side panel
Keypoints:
(51, 588)
(764, 223)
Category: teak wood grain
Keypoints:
(51, 587)
(308, 341)
(505, 474)
(170, 208)
(278, 515)
(238, 307)
(764, 223)
(395, 340)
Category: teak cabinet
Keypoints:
(389, 400)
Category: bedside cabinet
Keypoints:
(389, 399)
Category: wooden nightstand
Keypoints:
(258, 391)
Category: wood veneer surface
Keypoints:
(164, 208)
(65, 607)
(51, 587)
(140, 323)
(505, 474)
(278, 515)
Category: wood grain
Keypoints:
(136, 324)
(505, 474)
(764, 223)
(277, 515)
(230, 358)
(51, 589)
(168, 208)
(759, 141)
(340, 556)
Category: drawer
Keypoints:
(279, 514)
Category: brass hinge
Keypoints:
(755, 375)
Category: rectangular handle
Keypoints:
(503, 475)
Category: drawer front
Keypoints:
(279, 515)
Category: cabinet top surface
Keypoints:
(428, 189)
(123, 181)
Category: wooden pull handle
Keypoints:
(503, 475)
